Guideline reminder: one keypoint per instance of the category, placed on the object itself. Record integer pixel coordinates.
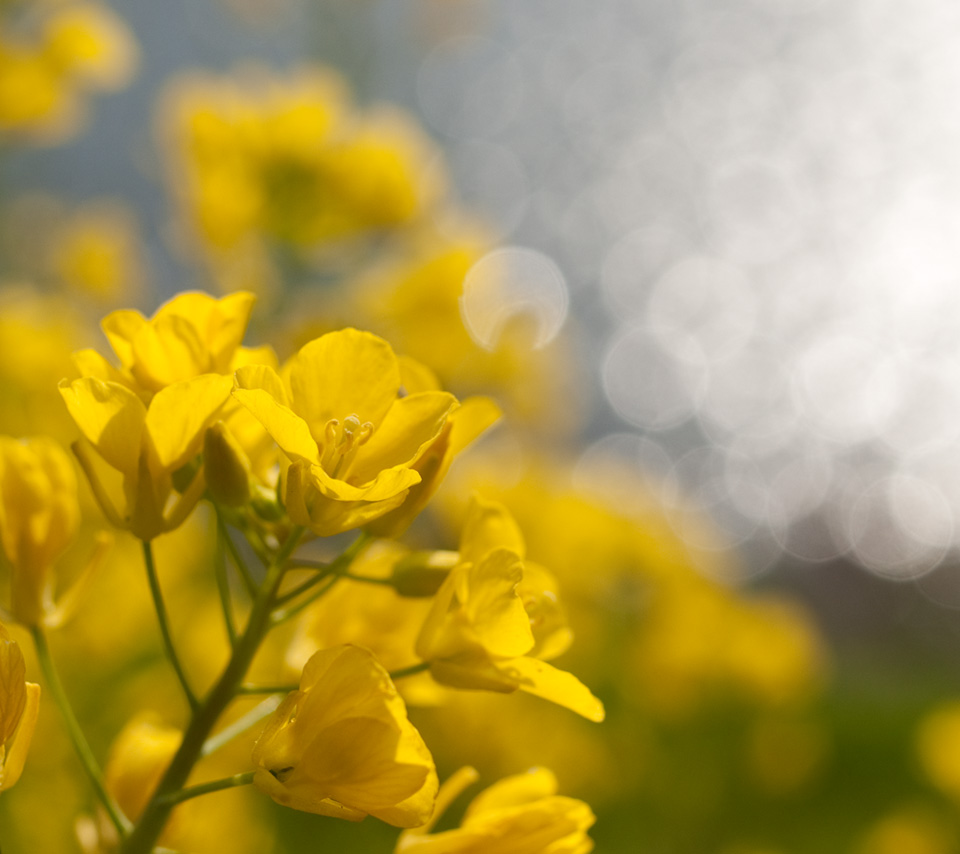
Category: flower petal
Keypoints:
(12, 767)
(343, 373)
(179, 414)
(489, 526)
(407, 430)
(110, 416)
(261, 391)
(543, 680)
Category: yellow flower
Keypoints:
(493, 613)
(342, 746)
(192, 334)
(50, 61)
(129, 451)
(522, 814)
(464, 424)
(19, 702)
(352, 441)
(39, 516)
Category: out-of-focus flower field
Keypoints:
(316, 533)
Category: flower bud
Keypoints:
(420, 574)
(226, 466)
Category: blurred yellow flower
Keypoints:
(522, 814)
(39, 516)
(352, 440)
(490, 613)
(78, 47)
(342, 746)
(19, 703)
(288, 159)
(938, 746)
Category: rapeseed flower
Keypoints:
(130, 451)
(39, 516)
(351, 441)
(342, 746)
(522, 814)
(494, 620)
(192, 334)
(44, 74)
(19, 703)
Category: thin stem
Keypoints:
(302, 588)
(223, 588)
(335, 570)
(202, 721)
(366, 579)
(266, 689)
(244, 779)
(238, 560)
(240, 725)
(80, 745)
(412, 670)
(165, 625)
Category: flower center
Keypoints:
(342, 440)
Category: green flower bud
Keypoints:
(226, 467)
(420, 574)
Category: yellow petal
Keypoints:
(13, 694)
(494, 610)
(416, 377)
(407, 430)
(543, 680)
(91, 364)
(470, 420)
(261, 391)
(489, 526)
(513, 791)
(220, 323)
(343, 373)
(17, 750)
(179, 414)
(168, 350)
(110, 416)
(121, 327)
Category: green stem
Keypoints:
(334, 571)
(240, 725)
(266, 689)
(223, 589)
(412, 670)
(302, 588)
(203, 719)
(165, 625)
(366, 579)
(238, 560)
(80, 745)
(244, 779)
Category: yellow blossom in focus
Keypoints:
(492, 615)
(352, 441)
(76, 47)
(522, 814)
(342, 746)
(192, 334)
(130, 451)
(19, 703)
(39, 516)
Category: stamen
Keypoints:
(342, 443)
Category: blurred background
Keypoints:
(704, 252)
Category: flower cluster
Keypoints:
(344, 436)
